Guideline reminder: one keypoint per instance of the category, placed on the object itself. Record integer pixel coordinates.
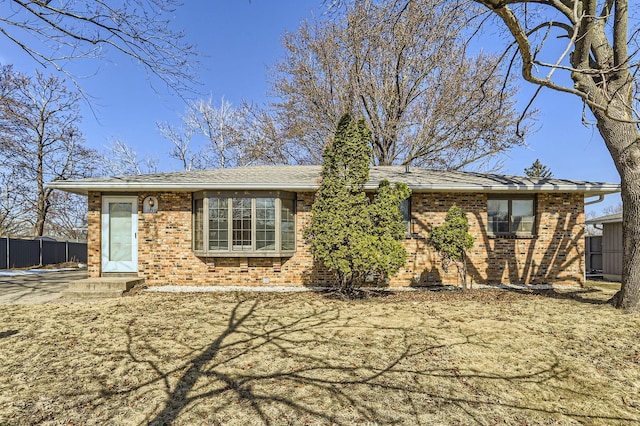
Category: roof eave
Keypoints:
(83, 188)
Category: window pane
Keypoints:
(265, 223)
(198, 225)
(287, 225)
(241, 210)
(120, 232)
(405, 211)
(522, 216)
(498, 216)
(218, 224)
(522, 207)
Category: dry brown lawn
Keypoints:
(485, 357)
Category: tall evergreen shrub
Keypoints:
(348, 234)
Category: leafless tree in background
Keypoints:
(55, 33)
(182, 150)
(223, 136)
(219, 126)
(68, 217)
(40, 143)
(121, 159)
(13, 214)
(404, 67)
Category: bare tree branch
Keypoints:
(54, 33)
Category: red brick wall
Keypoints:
(555, 255)
(93, 235)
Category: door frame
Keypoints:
(119, 266)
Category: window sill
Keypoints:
(512, 236)
(243, 253)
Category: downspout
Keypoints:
(599, 200)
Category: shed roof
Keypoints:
(610, 218)
(307, 178)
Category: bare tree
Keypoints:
(181, 138)
(122, 159)
(40, 142)
(404, 67)
(218, 125)
(612, 209)
(591, 44)
(53, 33)
(68, 217)
(13, 214)
(223, 136)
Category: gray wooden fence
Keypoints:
(19, 253)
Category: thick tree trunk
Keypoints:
(623, 141)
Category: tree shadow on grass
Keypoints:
(7, 333)
(211, 375)
(577, 295)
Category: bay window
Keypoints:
(238, 224)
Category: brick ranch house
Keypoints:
(244, 226)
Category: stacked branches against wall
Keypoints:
(349, 235)
(40, 143)
(404, 66)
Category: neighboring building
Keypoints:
(612, 245)
(245, 226)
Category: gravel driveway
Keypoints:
(43, 287)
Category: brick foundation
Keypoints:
(555, 255)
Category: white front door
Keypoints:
(119, 234)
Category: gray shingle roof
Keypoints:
(307, 178)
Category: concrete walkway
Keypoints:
(44, 287)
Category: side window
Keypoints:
(405, 211)
(498, 215)
(288, 224)
(511, 215)
(265, 224)
(198, 220)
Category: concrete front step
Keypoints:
(103, 287)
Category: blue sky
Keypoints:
(238, 40)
